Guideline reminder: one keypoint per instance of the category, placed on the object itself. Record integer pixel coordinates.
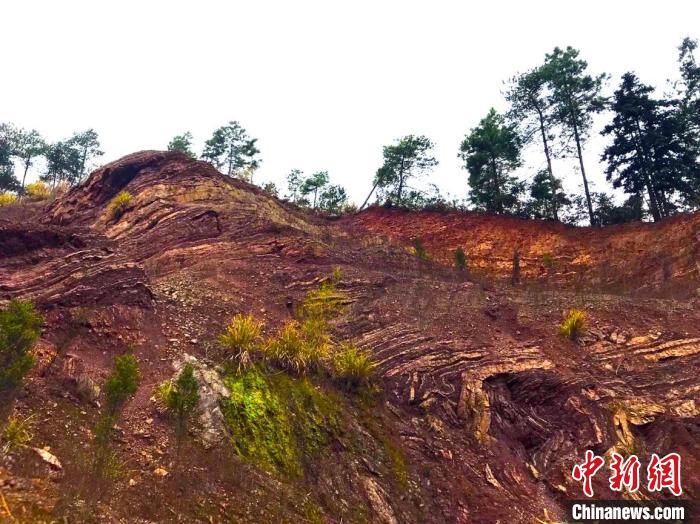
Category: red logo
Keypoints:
(585, 472)
(624, 473)
(665, 473)
(661, 473)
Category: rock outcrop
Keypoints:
(484, 408)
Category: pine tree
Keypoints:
(333, 199)
(313, 184)
(85, 146)
(295, 179)
(232, 148)
(547, 196)
(643, 155)
(531, 110)
(182, 143)
(180, 398)
(688, 122)
(574, 97)
(490, 152)
(408, 158)
(8, 181)
(27, 146)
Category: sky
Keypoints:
(323, 85)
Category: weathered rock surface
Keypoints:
(489, 406)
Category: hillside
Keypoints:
(483, 408)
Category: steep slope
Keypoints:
(483, 411)
(629, 257)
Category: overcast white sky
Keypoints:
(321, 84)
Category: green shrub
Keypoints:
(419, 249)
(122, 383)
(17, 433)
(20, 328)
(180, 397)
(353, 367)
(119, 204)
(574, 324)
(460, 259)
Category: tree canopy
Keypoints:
(231, 148)
(182, 143)
(574, 96)
(409, 157)
(490, 152)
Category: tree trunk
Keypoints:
(583, 174)
(496, 187)
(82, 163)
(230, 161)
(654, 206)
(663, 203)
(368, 196)
(549, 159)
(24, 177)
(401, 182)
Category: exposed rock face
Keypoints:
(210, 425)
(489, 406)
(629, 257)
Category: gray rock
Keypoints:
(211, 426)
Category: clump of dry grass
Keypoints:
(574, 324)
(119, 204)
(353, 367)
(298, 347)
(7, 199)
(242, 338)
(38, 190)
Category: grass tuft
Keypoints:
(574, 324)
(299, 348)
(353, 367)
(119, 204)
(322, 303)
(419, 249)
(242, 338)
(18, 433)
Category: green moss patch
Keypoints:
(278, 421)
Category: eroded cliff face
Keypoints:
(483, 408)
(628, 258)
